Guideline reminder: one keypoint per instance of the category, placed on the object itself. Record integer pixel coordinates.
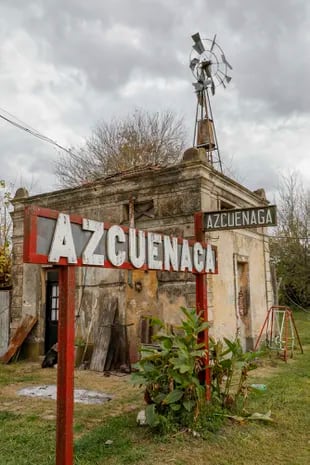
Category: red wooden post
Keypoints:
(65, 370)
(202, 304)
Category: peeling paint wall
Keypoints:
(164, 200)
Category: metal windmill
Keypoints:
(209, 66)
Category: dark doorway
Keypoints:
(52, 307)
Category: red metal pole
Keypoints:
(65, 369)
(266, 323)
(296, 332)
(202, 304)
(272, 323)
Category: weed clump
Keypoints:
(171, 369)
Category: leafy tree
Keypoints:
(139, 139)
(290, 244)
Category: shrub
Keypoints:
(170, 372)
(5, 266)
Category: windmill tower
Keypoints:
(209, 67)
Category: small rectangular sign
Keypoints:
(52, 237)
(240, 218)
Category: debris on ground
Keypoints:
(82, 396)
(141, 418)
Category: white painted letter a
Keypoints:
(62, 243)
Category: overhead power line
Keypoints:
(29, 130)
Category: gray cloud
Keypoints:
(270, 42)
(67, 65)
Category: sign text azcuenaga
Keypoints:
(240, 218)
(59, 238)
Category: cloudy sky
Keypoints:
(66, 65)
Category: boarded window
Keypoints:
(243, 297)
(140, 210)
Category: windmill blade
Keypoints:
(226, 62)
(193, 63)
(226, 77)
(219, 78)
(198, 47)
(213, 43)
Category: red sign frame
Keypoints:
(65, 369)
(32, 213)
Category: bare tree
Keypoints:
(5, 219)
(5, 235)
(290, 245)
(140, 139)
(6, 228)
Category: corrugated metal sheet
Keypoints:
(4, 321)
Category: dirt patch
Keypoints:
(49, 391)
(22, 375)
(271, 366)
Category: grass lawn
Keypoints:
(27, 425)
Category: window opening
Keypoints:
(54, 302)
(224, 205)
(139, 210)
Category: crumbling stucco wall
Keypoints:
(163, 200)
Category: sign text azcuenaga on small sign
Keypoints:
(240, 218)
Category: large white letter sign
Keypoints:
(186, 261)
(89, 257)
(171, 253)
(136, 251)
(198, 256)
(153, 242)
(115, 235)
(210, 265)
(62, 242)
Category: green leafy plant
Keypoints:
(5, 265)
(230, 368)
(79, 342)
(170, 373)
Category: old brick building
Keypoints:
(162, 199)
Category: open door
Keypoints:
(52, 309)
